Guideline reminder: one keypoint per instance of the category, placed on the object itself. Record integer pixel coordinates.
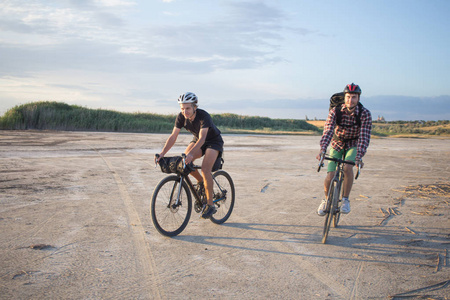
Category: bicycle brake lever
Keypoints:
(183, 156)
(359, 171)
(156, 160)
(321, 164)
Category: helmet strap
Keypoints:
(194, 114)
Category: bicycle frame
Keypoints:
(172, 200)
(338, 179)
(334, 193)
(192, 188)
(191, 185)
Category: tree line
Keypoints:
(441, 127)
(47, 115)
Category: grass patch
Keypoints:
(46, 115)
(61, 116)
(419, 129)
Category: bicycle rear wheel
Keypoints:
(329, 212)
(336, 208)
(171, 214)
(223, 196)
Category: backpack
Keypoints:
(337, 100)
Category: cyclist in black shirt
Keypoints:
(207, 142)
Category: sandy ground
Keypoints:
(75, 222)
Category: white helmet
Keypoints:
(188, 98)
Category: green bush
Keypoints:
(61, 116)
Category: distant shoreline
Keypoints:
(60, 116)
(237, 132)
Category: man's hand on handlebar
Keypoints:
(189, 158)
(320, 155)
(157, 158)
(359, 164)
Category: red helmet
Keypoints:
(352, 89)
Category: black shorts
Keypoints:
(216, 144)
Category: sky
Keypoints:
(279, 58)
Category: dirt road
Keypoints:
(75, 222)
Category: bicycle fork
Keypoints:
(174, 203)
(222, 195)
(334, 190)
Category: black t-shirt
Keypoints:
(202, 120)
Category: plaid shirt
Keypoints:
(352, 134)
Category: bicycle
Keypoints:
(171, 205)
(334, 197)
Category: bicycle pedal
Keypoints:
(202, 209)
(198, 207)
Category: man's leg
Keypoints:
(348, 181)
(194, 173)
(348, 172)
(326, 187)
(326, 184)
(346, 188)
(207, 165)
(331, 170)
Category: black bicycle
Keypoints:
(333, 208)
(171, 205)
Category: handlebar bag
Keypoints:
(170, 164)
(174, 164)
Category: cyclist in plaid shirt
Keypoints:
(349, 140)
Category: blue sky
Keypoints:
(281, 59)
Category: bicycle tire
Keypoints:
(223, 196)
(336, 218)
(329, 214)
(170, 219)
(336, 207)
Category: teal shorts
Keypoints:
(349, 154)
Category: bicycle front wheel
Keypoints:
(171, 206)
(223, 196)
(329, 213)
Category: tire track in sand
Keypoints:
(302, 263)
(144, 252)
(354, 292)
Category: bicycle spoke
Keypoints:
(223, 196)
(336, 199)
(171, 206)
(329, 213)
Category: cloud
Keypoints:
(15, 26)
(246, 35)
(409, 108)
(116, 3)
(390, 107)
(76, 20)
(59, 45)
(85, 34)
